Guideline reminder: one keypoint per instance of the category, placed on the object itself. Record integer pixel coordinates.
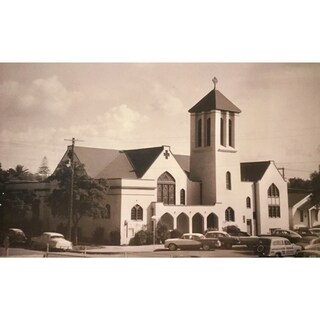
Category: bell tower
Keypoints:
(214, 159)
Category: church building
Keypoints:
(211, 188)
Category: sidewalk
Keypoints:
(116, 249)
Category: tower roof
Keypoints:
(214, 100)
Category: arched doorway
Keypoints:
(167, 220)
(212, 221)
(183, 223)
(197, 223)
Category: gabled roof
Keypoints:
(214, 100)
(184, 162)
(95, 159)
(294, 198)
(253, 171)
(127, 164)
(142, 159)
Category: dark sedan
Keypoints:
(226, 240)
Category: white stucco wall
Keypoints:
(272, 175)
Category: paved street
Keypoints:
(150, 251)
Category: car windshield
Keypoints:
(57, 237)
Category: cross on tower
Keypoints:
(215, 81)
(167, 154)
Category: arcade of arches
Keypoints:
(186, 224)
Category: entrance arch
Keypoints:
(183, 223)
(167, 220)
(197, 223)
(212, 221)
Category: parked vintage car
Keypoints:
(307, 242)
(292, 236)
(308, 254)
(276, 247)
(227, 241)
(191, 241)
(56, 241)
(245, 238)
(16, 237)
(306, 233)
(315, 231)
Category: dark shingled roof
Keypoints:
(127, 164)
(253, 171)
(214, 100)
(294, 198)
(142, 159)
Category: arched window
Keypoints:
(248, 202)
(182, 196)
(136, 213)
(222, 131)
(230, 133)
(274, 202)
(199, 133)
(108, 211)
(208, 136)
(228, 180)
(273, 191)
(229, 214)
(166, 189)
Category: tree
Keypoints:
(298, 185)
(88, 195)
(20, 173)
(44, 170)
(14, 204)
(315, 185)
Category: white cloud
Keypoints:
(37, 97)
(121, 120)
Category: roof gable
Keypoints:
(214, 100)
(142, 159)
(253, 171)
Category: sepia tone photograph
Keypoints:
(160, 160)
(154, 155)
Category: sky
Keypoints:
(137, 105)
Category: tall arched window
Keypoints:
(166, 189)
(182, 196)
(230, 133)
(208, 136)
(229, 214)
(222, 131)
(199, 133)
(248, 202)
(136, 213)
(274, 202)
(228, 180)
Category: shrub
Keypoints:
(175, 233)
(115, 237)
(142, 238)
(98, 235)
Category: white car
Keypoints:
(56, 241)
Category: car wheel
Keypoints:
(172, 247)
(206, 247)
(228, 245)
(278, 255)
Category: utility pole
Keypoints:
(71, 157)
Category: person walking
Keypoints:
(6, 244)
